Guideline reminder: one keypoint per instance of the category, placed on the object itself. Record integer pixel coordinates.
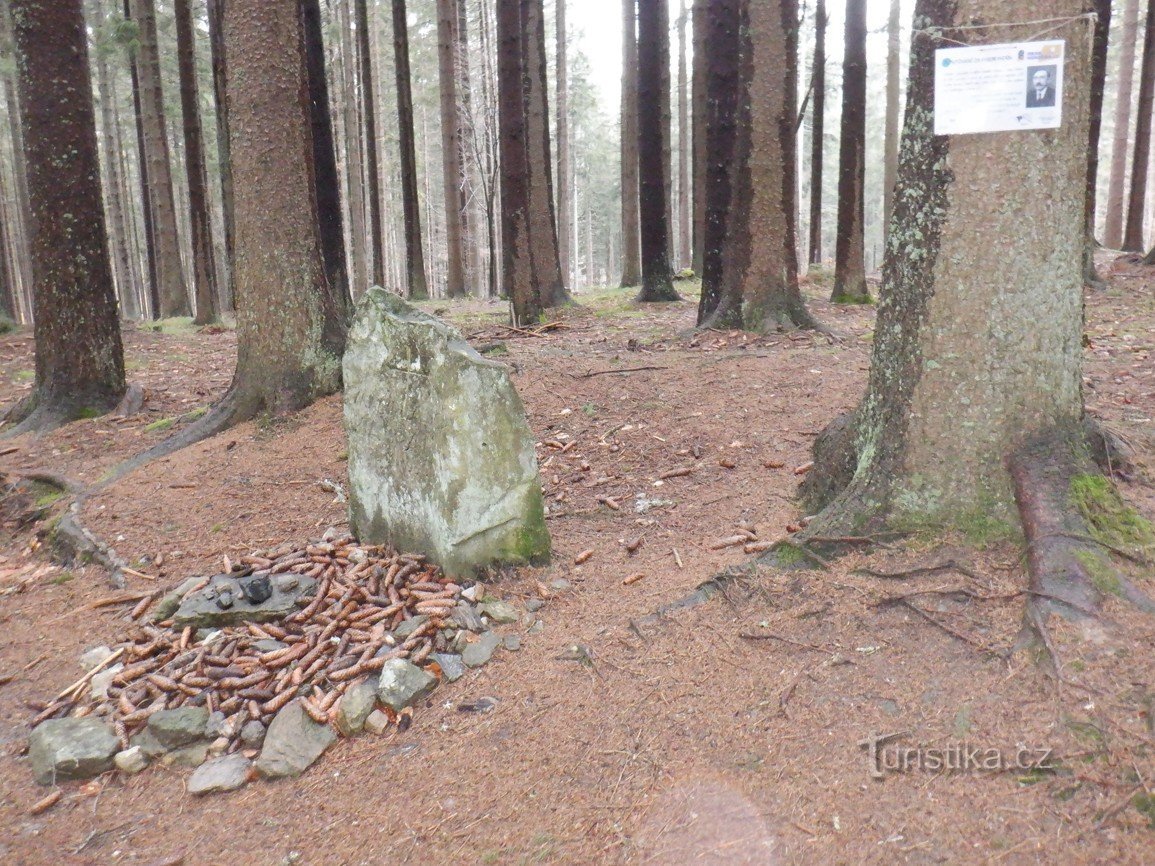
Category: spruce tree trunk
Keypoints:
(469, 184)
(698, 143)
(414, 255)
(817, 133)
(22, 245)
(564, 164)
(653, 136)
(148, 206)
(1137, 199)
(220, 72)
(1098, 82)
(368, 114)
(893, 111)
(631, 241)
(685, 230)
(79, 357)
(171, 288)
(1113, 230)
(447, 42)
(850, 246)
(353, 160)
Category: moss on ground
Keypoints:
(1110, 520)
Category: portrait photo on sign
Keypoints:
(1041, 91)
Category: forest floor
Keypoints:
(679, 740)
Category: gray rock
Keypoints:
(98, 685)
(466, 616)
(377, 723)
(500, 612)
(403, 684)
(203, 609)
(94, 656)
(219, 746)
(356, 705)
(441, 458)
(218, 725)
(253, 734)
(408, 626)
(61, 749)
(481, 650)
(512, 642)
(148, 744)
(168, 605)
(473, 593)
(179, 727)
(560, 585)
(220, 774)
(267, 645)
(537, 627)
(452, 667)
(460, 642)
(190, 756)
(131, 761)
(293, 742)
(533, 605)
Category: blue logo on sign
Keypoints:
(946, 61)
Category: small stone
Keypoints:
(512, 642)
(220, 774)
(473, 593)
(218, 725)
(286, 582)
(403, 684)
(460, 642)
(61, 749)
(94, 656)
(253, 734)
(148, 744)
(179, 727)
(355, 706)
(219, 746)
(537, 628)
(452, 667)
(500, 612)
(293, 742)
(481, 650)
(187, 756)
(131, 761)
(377, 722)
(98, 687)
(268, 645)
(466, 617)
(409, 626)
(560, 585)
(533, 605)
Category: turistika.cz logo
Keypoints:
(885, 756)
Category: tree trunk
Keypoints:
(698, 143)
(721, 45)
(760, 283)
(169, 272)
(817, 133)
(224, 159)
(565, 229)
(517, 250)
(79, 357)
(22, 246)
(1098, 81)
(653, 134)
(947, 402)
(1136, 203)
(685, 234)
(1113, 231)
(850, 248)
(893, 111)
(450, 148)
(414, 256)
(468, 183)
(353, 161)
(631, 242)
(368, 114)
(203, 266)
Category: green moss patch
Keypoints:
(1109, 519)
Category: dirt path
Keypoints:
(661, 740)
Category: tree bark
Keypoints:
(565, 229)
(1100, 38)
(450, 148)
(79, 357)
(685, 257)
(850, 246)
(631, 240)
(1137, 199)
(817, 133)
(170, 279)
(1113, 230)
(893, 111)
(698, 145)
(414, 255)
(220, 74)
(353, 158)
(653, 135)
(23, 231)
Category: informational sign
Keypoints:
(996, 88)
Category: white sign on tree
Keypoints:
(996, 88)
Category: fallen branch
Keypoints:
(591, 373)
(768, 635)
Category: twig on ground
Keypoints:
(957, 635)
(767, 635)
(589, 374)
(922, 571)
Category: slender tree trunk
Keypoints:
(169, 271)
(468, 184)
(447, 42)
(368, 113)
(224, 158)
(1136, 204)
(817, 133)
(353, 161)
(1113, 232)
(685, 240)
(631, 243)
(699, 157)
(414, 257)
(653, 135)
(23, 231)
(564, 164)
(79, 357)
(1101, 37)
(148, 208)
(850, 250)
(893, 111)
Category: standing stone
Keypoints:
(441, 459)
(293, 742)
(61, 749)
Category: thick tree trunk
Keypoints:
(685, 229)
(653, 135)
(447, 42)
(893, 111)
(817, 133)
(850, 246)
(169, 272)
(79, 358)
(1137, 199)
(721, 45)
(203, 265)
(698, 77)
(631, 241)
(947, 401)
(1113, 231)
(564, 164)
(414, 255)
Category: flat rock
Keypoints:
(168, 605)
(62, 749)
(512, 642)
(292, 743)
(481, 650)
(441, 457)
(148, 744)
(403, 684)
(356, 704)
(192, 755)
(466, 616)
(131, 761)
(203, 608)
(226, 773)
(500, 612)
(408, 626)
(179, 727)
(452, 667)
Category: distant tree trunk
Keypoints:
(850, 250)
(721, 45)
(21, 229)
(169, 272)
(148, 210)
(471, 215)
(79, 357)
(414, 256)
(631, 243)
(203, 265)
(564, 165)
(1137, 200)
(893, 110)
(353, 160)
(450, 148)
(698, 144)
(817, 133)
(665, 96)
(1102, 31)
(517, 250)
(685, 233)
(760, 282)
(1113, 232)
(368, 114)
(653, 134)
(217, 51)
